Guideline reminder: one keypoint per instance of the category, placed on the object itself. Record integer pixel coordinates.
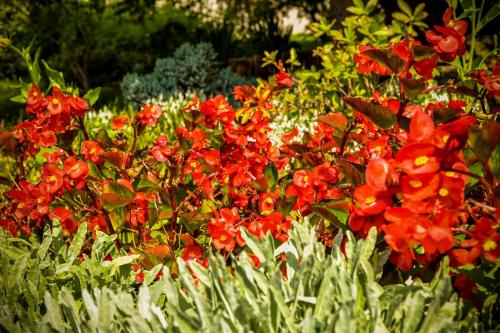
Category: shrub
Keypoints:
(191, 68)
(424, 174)
(318, 292)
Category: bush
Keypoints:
(191, 68)
(425, 175)
(52, 289)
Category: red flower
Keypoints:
(222, 239)
(66, 219)
(192, 252)
(76, 169)
(92, 151)
(161, 151)
(377, 173)
(449, 42)
(266, 203)
(369, 201)
(419, 187)
(35, 102)
(46, 139)
(53, 177)
(56, 102)
(149, 114)
(418, 158)
(77, 105)
(282, 78)
(119, 122)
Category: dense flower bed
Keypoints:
(426, 175)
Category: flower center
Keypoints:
(223, 238)
(370, 200)
(489, 245)
(306, 178)
(193, 164)
(55, 101)
(421, 160)
(52, 178)
(450, 174)
(269, 200)
(378, 149)
(92, 151)
(415, 183)
(74, 167)
(443, 192)
(445, 138)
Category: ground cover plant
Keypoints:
(418, 178)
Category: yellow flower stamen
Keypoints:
(421, 160)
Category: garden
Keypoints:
(215, 166)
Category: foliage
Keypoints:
(50, 290)
(87, 39)
(191, 68)
(424, 174)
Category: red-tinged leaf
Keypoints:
(422, 52)
(484, 140)
(116, 195)
(161, 252)
(114, 157)
(335, 120)
(351, 174)
(444, 115)
(386, 58)
(378, 114)
(377, 171)
(298, 148)
(494, 162)
(467, 88)
(112, 201)
(285, 205)
(260, 184)
(421, 126)
(412, 88)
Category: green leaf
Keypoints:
(117, 217)
(19, 99)
(386, 58)
(404, 7)
(494, 162)
(103, 245)
(378, 114)
(77, 243)
(92, 95)
(401, 17)
(56, 78)
(490, 16)
(271, 174)
(412, 88)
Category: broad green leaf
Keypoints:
(404, 7)
(92, 95)
(271, 174)
(77, 243)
